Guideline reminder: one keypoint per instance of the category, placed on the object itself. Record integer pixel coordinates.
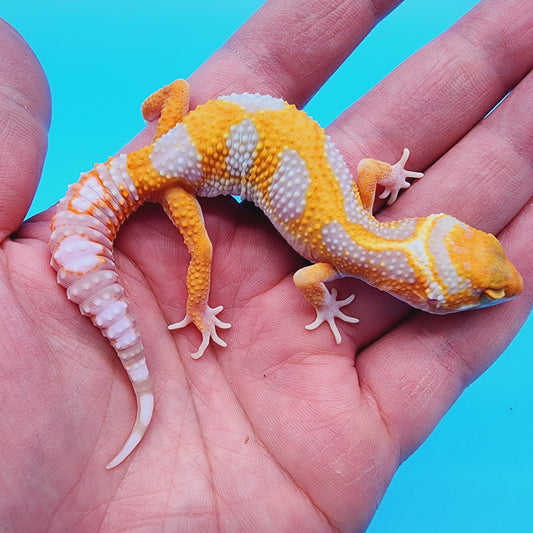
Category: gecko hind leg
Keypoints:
(170, 104)
(208, 328)
(311, 282)
(184, 211)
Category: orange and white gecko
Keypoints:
(267, 151)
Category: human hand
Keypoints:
(281, 427)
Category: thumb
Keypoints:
(24, 122)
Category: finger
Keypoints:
(284, 50)
(436, 96)
(485, 179)
(416, 373)
(25, 117)
(474, 180)
(287, 51)
(492, 170)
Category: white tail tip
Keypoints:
(145, 408)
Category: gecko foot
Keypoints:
(207, 325)
(397, 179)
(330, 310)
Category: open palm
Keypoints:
(282, 430)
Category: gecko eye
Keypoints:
(494, 294)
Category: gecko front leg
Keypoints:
(393, 178)
(185, 212)
(311, 282)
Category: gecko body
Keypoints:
(267, 151)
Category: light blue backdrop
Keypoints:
(475, 472)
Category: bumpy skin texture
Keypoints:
(269, 152)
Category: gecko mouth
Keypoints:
(494, 294)
(490, 297)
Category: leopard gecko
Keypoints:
(264, 150)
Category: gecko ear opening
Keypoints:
(495, 294)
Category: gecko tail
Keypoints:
(145, 407)
(81, 244)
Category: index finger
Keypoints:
(284, 50)
(288, 49)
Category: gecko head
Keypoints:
(472, 268)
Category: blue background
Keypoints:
(102, 58)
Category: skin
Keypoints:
(284, 429)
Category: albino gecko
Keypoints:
(267, 151)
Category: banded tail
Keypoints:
(83, 231)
